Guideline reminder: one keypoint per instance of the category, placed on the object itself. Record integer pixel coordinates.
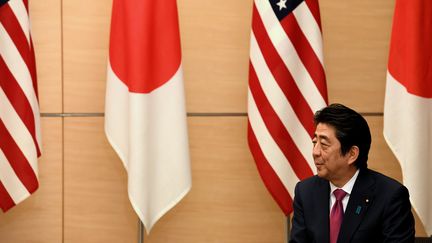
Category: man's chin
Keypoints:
(321, 173)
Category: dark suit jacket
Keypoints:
(378, 210)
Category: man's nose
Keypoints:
(316, 150)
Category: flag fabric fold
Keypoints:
(145, 116)
(408, 101)
(286, 86)
(20, 138)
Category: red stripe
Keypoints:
(145, 47)
(268, 175)
(26, 5)
(282, 74)
(306, 53)
(18, 100)
(18, 163)
(277, 129)
(12, 26)
(6, 201)
(313, 6)
(32, 69)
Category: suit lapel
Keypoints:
(360, 199)
(322, 203)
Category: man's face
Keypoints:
(329, 161)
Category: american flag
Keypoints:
(19, 109)
(286, 86)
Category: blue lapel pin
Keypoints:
(358, 209)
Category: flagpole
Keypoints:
(288, 228)
(140, 231)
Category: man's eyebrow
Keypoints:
(321, 136)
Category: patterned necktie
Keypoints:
(336, 215)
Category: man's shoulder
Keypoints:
(382, 180)
(312, 181)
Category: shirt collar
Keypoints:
(348, 186)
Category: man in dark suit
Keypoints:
(346, 201)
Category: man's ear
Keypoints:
(353, 154)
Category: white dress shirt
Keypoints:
(347, 188)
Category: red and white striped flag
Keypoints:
(145, 116)
(286, 86)
(408, 101)
(19, 108)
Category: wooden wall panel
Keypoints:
(215, 45)
(215, 41)
(86, 34)
(356, 42)
(380, 156)
(227, 203)
(39, 218)
(45, 16)
(96, 206)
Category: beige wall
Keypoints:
(82, 195)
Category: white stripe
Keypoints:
(11, 182)
(270, 149)
(20, 12)
(280, 104)
(19, 70)
(18, 131)
(408, 131)
(310, 29)
(289, 55)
